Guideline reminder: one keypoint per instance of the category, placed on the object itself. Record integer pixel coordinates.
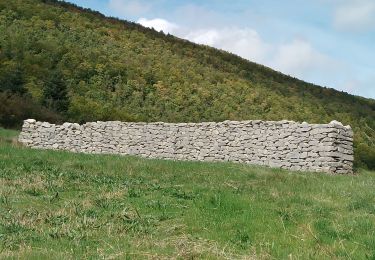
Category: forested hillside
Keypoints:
(61, 62)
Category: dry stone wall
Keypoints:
(283, 144)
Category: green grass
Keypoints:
(6, 134)
(65, 205)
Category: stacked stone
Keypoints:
(282, 144)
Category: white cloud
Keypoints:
(126, 8)
(297, 58)
(244, 42)
(355, 15)
(300, 59)
(159, 24)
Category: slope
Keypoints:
(62, 62)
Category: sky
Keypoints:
(327, 42)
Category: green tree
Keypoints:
(12, 78)
(55, 94)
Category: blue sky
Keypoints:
(327, 42)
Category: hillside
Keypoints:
(59, 205)
(61, 62)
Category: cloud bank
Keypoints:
(297, 57)
(159, 25)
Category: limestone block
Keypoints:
(283, 144)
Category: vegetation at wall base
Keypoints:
(61, 62)
(64, 205)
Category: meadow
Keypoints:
(56, 204)
(63, 63)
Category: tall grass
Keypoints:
(65, 205)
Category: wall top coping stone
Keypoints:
(333, 123)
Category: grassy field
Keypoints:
(65, 205)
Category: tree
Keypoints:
(12, 78)
(55, 94)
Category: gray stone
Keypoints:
(283, 144)
(30, 121)
(334, 122)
